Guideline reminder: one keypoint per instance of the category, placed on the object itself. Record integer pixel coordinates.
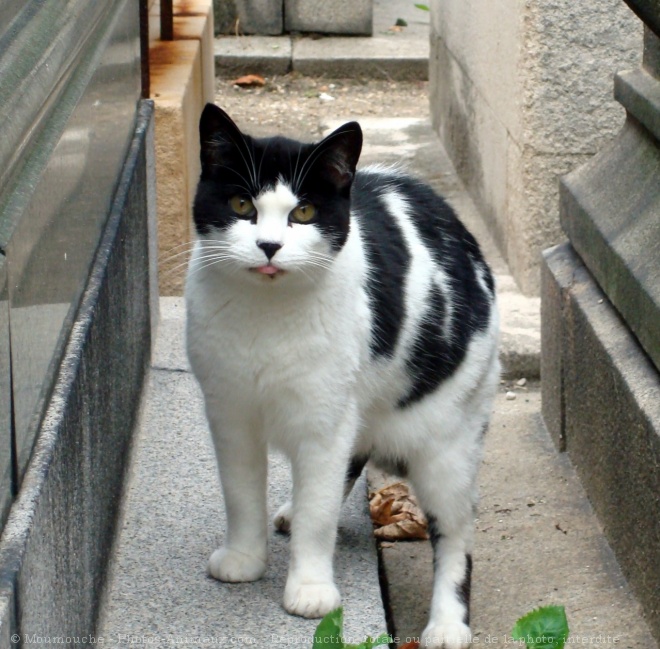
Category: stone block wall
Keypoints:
(521, 93)
(272, 17)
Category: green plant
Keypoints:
(423, 7)
(543, 627)
(328, 634)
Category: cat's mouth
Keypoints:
(268, 270)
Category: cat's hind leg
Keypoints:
(282, 520)
(444, 483)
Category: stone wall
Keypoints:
(274, 17)
(521, 93)
(77, 289)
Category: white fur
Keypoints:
(284, 361)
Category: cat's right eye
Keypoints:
(242, 206)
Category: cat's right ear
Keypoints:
(217, 135)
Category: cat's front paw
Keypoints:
(282, 520)
(234, 566)
(446, 636)
(311, 600)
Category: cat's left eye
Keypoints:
(303, 213)
(242, 206)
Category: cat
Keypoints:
(339, 315)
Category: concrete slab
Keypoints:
(266, 55)
(538, 542)
(173, 519)
(378, 57)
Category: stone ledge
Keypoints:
(639, 93)
(609, 210)
(378, 57)
(57, 538)
(607, 390)
(266, 55)
(182, 82)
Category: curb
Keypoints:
(377, 57)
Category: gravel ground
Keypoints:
(296, 106)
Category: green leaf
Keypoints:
(543, 627)
(328, 632)
(423, 7)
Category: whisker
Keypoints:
(194, 271)
(247, 166)
(295, 172)
(263, 155)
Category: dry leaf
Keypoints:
(405, 530)
(410, 645)
(396, 514)
(249, 80)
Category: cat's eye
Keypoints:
(303, 213)
(241, 205)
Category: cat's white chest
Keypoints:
(284, 348)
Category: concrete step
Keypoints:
(400, 53)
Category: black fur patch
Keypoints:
(434, 533)
(465, 586)
(389, 260)
(464, 589)
(437, 353)
(355, 468)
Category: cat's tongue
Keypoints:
(267, 269)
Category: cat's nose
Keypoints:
(269, 247)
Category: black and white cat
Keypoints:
(340, 316)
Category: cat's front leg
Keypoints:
(242, 461)
(318, 484)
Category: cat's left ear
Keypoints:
(339, 153)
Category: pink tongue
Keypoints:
(267, 270)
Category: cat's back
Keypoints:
(431, 292)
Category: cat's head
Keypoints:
(270, 208)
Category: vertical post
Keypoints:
(144, 48)
(166, 20)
